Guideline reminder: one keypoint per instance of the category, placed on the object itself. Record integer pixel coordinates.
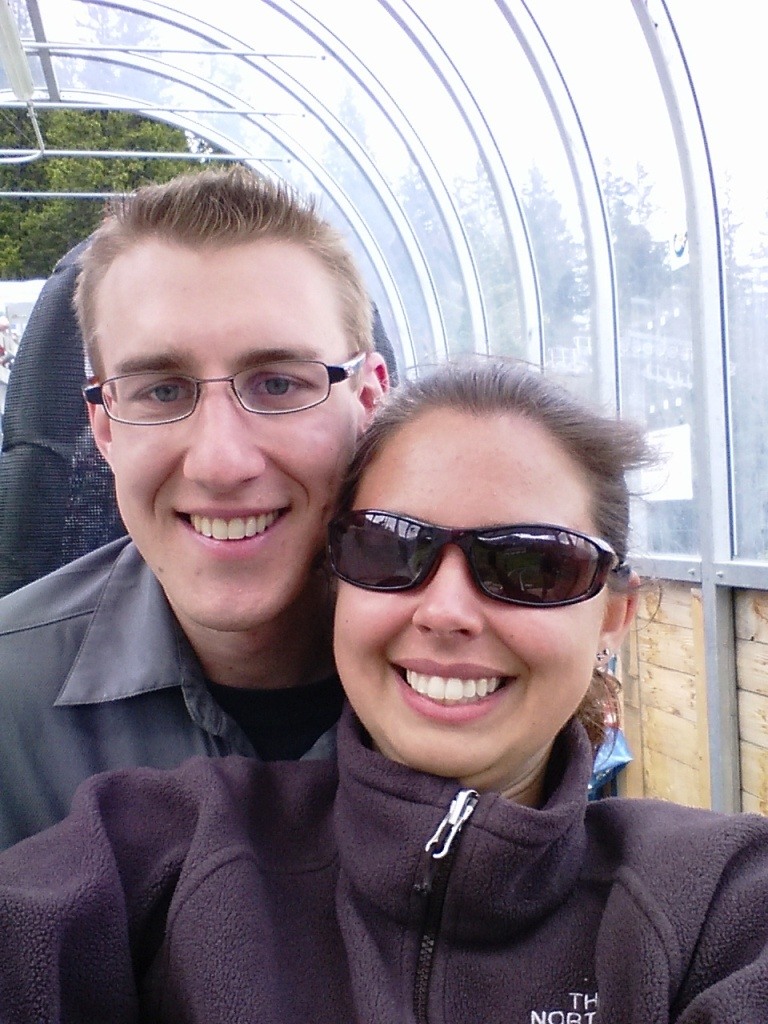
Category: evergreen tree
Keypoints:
(641, 271)
(494, 260)
(35, 233)
(558, 257)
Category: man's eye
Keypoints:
(162, 392)
(265, 384)
(275, 386)
(168, 391)
(269, 383)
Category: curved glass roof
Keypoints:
(565, 180)
(420, 128)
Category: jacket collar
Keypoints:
(512, 864)
(133, 643)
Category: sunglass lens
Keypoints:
(532, 567)
(377, 550)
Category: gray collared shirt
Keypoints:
(95, 674)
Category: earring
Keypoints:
(602, 656)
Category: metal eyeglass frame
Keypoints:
(93, 391)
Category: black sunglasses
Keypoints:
(534, 565)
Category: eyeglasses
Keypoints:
(534, 565)
(272, 388)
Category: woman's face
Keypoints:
(458, 470)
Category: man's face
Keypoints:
(209, 313)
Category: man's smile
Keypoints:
(237, 528)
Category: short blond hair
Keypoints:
(220, 208)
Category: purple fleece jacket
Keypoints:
(232, 891)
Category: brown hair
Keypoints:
(218, 208)
(604, 448)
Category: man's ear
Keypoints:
(101, 427)
(374, 384)
(619, 614)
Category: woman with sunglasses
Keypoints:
(485, 519)
(453, 871)
(480, 549)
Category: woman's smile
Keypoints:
(444, 677)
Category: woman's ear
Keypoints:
(620, 611)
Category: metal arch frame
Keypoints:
(513, 218)
(211, 34)
(132, 58)
(237, 150)
(464, 254)
(433, 180)
(293, 148)
(394, 210)
(36, 21)
(711, 413)
(306, 22)
(441, 197)
(597, 234)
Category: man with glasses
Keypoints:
(229, 334)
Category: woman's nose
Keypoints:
(450, 602)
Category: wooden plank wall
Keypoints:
(664, 697)
(665, 702)
(751, 622)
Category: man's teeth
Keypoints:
(441, 688)
(232, 529)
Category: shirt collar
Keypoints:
(133, 643)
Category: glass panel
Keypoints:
(400, 147)
(607, 65)
(729, 103)
(484, 172)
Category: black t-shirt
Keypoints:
(282, 724)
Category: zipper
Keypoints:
(433, 886)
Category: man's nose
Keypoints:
(224, 441)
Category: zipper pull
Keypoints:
(462, 806)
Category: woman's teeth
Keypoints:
(453, 689)
(232, 529)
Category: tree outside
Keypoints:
(35, 233)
